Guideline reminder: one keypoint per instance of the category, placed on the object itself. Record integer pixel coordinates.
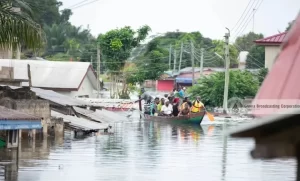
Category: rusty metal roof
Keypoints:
(282, 82)
(272, 40)
(9, 114)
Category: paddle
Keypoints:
(209, 115)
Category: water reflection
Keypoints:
(144, 151)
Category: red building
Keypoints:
(166, 83)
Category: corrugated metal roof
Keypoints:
(80, 123)
(51, 74)
(58, 98)
(54, 97)
(9, 114)
(275, 39)
(282, 82)
(103, 115)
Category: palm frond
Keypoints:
(17, 28)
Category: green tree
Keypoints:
(63, 37)
(162, 44)
(219, 49)
(17, 27)
(262, 75)
(45, 12)
(116, 46)
(246, 42)
(154, 67)
(58, 57)
(211, 88)
(256, 57)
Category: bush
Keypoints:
(211, 88)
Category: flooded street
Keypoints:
(151, 151)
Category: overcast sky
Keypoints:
(210, 17)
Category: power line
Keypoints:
(77, 4)
(232, 29)
(247, 15)
(84, 4)
(251, 17)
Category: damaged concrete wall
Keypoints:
(56, 126)
(39, 108)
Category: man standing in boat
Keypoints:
(148, 100)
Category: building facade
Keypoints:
(272, 46)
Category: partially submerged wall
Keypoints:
(39, 108)
(56, 126)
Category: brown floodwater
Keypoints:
(149, 151)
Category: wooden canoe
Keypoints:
(194, 118)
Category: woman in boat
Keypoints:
(197, 105)
(176, 108)
(167, 109)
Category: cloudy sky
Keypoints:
(210, 17)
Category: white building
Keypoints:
(74, 79)
(242, 59)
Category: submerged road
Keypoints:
(147, 151)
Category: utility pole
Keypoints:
(227, 63)
(29, 75)
(180, 58)
(175, 57)
(170, 56)
(98, 70)
(201, 62)
(193, 64)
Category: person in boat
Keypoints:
(176, 108)
(148, 99)
(167, 109)
(146, 96)
(180, 93)
(161, 103)
(185, 109)
(153, 107)
(197, 105)
(187, 100)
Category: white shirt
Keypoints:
(167, 110)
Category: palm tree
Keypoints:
(17, 27)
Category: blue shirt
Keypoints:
(181, 93)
